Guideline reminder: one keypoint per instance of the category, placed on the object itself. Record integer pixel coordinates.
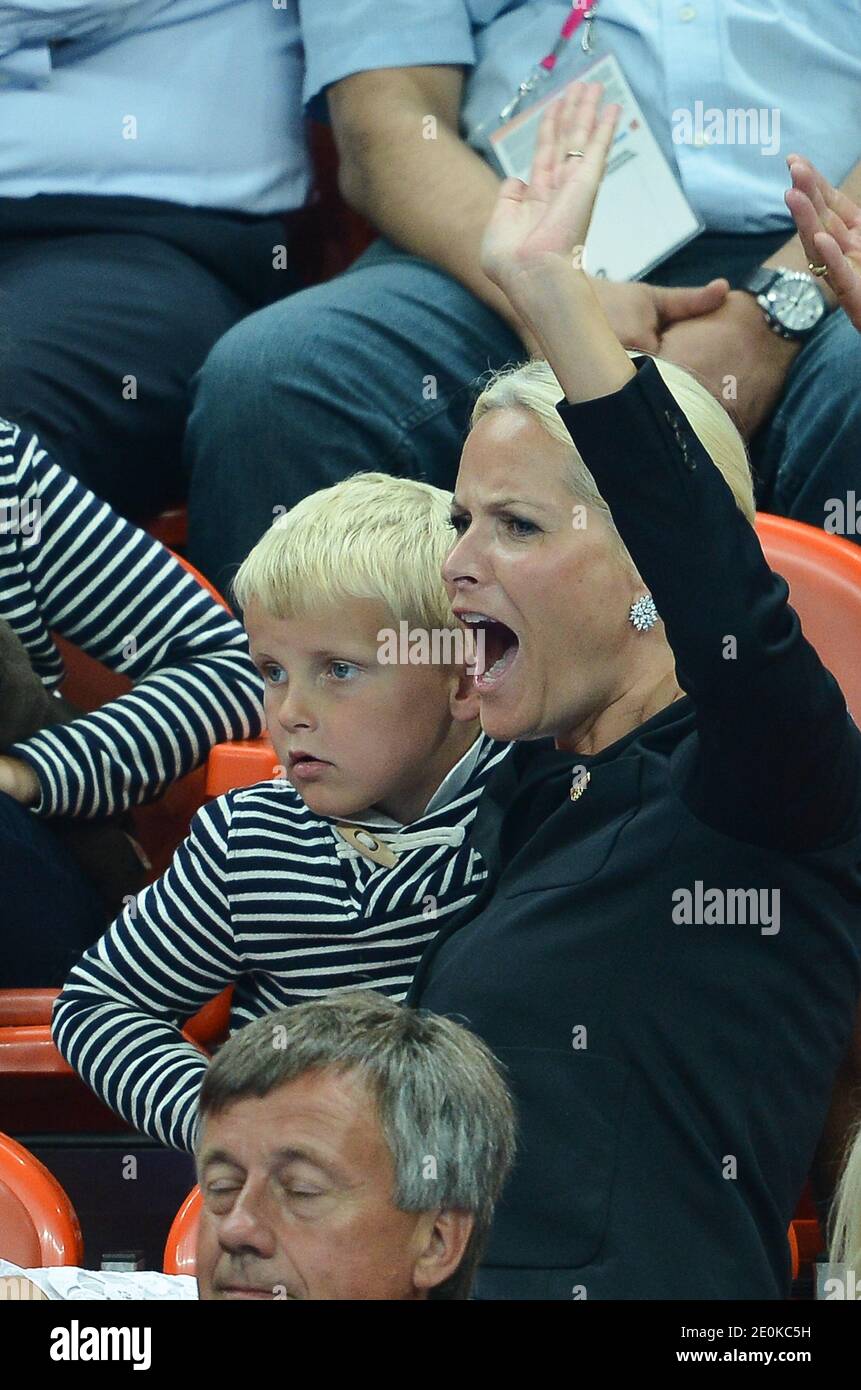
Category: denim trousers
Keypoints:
(378, 369)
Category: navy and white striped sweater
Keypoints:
(69, 564)
(265, 894)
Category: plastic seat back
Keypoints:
(824, 577)
(38, 1224)
(180, 1250)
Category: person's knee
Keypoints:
(817, 428)
(229, 371)
(838, 364)
(276, 347)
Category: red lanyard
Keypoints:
(580, 10)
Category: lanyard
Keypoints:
(580, 10)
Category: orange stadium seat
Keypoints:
(39, 1091)
(793, 1250)
(824, 577)
(211, 1024)
(180, 1251)
(170, 527)
(239, 764)
(38, 1224)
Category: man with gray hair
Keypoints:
(348, 1148)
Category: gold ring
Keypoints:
(576, 154)
(819, 270)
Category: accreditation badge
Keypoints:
(641, 213)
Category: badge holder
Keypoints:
(642, 215)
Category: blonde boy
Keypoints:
(338, 872)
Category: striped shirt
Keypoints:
(69, 564)
(267, 895)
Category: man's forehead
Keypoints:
(322, 1112)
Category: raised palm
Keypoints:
(550, 216)
(829, 225)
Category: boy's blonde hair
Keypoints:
(369, 536)
(534, 387)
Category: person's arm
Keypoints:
(829, 227)
(121, 596)
(415, 189)
(735, 341)
(779, 758)
(117, 1020)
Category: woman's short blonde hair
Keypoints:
(533, 387)
(370, 536)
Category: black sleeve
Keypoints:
(778, 760)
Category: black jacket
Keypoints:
(672, 1070)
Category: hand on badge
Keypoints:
(538, 227)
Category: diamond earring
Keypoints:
(643, 613)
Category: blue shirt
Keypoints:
(795, 67)
(191, 101)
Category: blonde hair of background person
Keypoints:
(533, 387)
(369, 536)
(845, 1222)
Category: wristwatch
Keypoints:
(791, 300)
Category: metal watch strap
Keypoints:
(761, 279)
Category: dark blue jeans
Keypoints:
(377, 369)
(49, 912)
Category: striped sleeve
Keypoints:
(117, 1020)
(111, 589)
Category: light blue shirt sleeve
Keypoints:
(342, 37)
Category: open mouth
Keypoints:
(496, 648)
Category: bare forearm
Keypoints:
(403, 165)
(589, 362)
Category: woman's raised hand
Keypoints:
(829, 225)
(537, 226)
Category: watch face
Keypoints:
(796, 303)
